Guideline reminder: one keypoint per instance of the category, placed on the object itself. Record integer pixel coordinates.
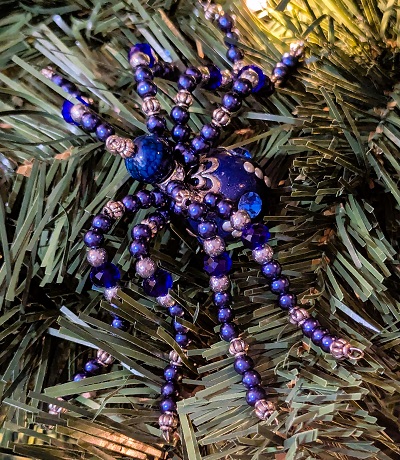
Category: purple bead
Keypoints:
(242, 86)
(225, 22)
(216, 266)
(255, 235)
(280, 285)
(143, 73)
(196, 210)
(138, 248)
(234, 54)
(215, 77)
(104, 131)
(176, 310)
(93, 238)
(170, 72)
(131, 203)
(179, 328)
(318, 334)
(210, 133)
(173, 373)
(158, 219)
(69, 87)
(146, 88)
(159, 284)
(187, 82)
(141, 232)
(222, 299)
(225, 315)
(180, 133)
(251, 379)
(199, 145)
(289, 60)
(309, 326)
(173, 184)
(160, 199)
(180, 114)
(280, 71)
(224, 209)
(189, 158)
(228, 331)
(230, 38)
(231, 101)
(195, 73)
(146, 49)
(211, 199)
(144, 197)
(93, 367)
(287, 301)
(90, 121)
(326, 342)
(243, 364)
(58, 80)
(102, 222)
(79, 376)
(170, 389)
(167, 405)
(271, 269)
(207, 229)
(182, 340)
(176, 191)
(156, 124)
(120, 323)
(105, 276)
(255, 394)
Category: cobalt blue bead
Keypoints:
(143, 73)
(173, 373)
(131, 203)
(224, 209)
(232, 37)
(156, 124)
(289, 61)
(179, 328)
(211, 199)
(139, 248)
(93, 238)
(104, 131)
(196, 210)
(176, 310)
(160, 199)
(58, 80)
(180, 114)
(141, 231)
(181, 133)
(280, 71)
(234, 54)
(90, 121)
(174, 183)
(207, 229)
(187, 82)
(255, 394)
(79, 376)
(271, 269)
(159, 284)
(69, 87)
(225, 22)
(309, 326)
(195, 73)
(243, 364)
(182, 340)
(146, 88)
(228, 331)
(318, 334)
(326, 342)
(170, 389)
(93, 367)
(263, 80)
(189, 158)
(225, 315)
(199, 145)
(102, 222)
(158, 219)
(255, 235)
(176, 191)
(210, 133)
(146, 49)
(105, 276)
(252, 203)
(231, 101)
(287, 301)
(145, 199)
(120, 323)
(251, 379)
(216, 266)
(66, 112)
(215, 77)
(280, 285)
(242, 87)
(222, 299)
(167, 405)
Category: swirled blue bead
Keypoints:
(255, 235)
(216, 266)
(231, 101)
(167, 405)
(156, 124)
(139, 248)
(102, 223)
(187, 82)
(90, 121)
(234, 54)
(159, 284)
(131, 203)
(280, 285)
(93, 367)
(228, 331)
(120, 323)
(145, 198)
(287, 301)
(169, 389)
(143, 72)
(222, 299)
(207, 229)
(225, 315)
(251, 379)
(309, 326)
(318, 335)
(104, 131)
(93, 238)
(181, 133)
(326, 342)
(254, 394)
(107, 275)
(243, 364)
(215, 77)
(180, 114)
(172, 373)
(271, 269)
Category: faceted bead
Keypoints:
(318, 334)
(255, 235)
(251, 379)
(182, 340)
(225, 315)
(271, 269)
(255, 394)
(138, 248)
(169, 389)
(222, 299)
(228, 331)
(120, 323)
(309, 327)
(90, 121)
(93, 367)
(143, 48)
(243, 363)
(104, 131)
(326, 342)
(158, 284)
(145, 198)
(131, 203)
(102, 223)
(173, 373)
(280, 285)
(219, 265)
(287, 301)
(252, 203)
(215, 77)
(167, 405)
(105, 276)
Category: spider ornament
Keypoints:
(219, 194)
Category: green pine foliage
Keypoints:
(329, 141)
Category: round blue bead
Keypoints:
(189, 158)
(131, 203)
(160, 199)
(174, 183)
(243, 364)
(159, 284)
(318, 334)
(196, 210)
(69, 87)
(234, 54)
(199, 145)
(102, 222)
(181, 133)
(271, 269)
(228, 331)
(326, 342)
(167, 405)
(309, 326)
(156, 124)
(173, 373)
(93, 367)
(105, 276)
(139, 248)
(242, 87)
(231, 101)
(222, 299)
(255, 235)
(120, 323)
(170, 389)
(225, 22)
(176, 310)
(211, 199)
(143, 73)
(289, 61)
(182, 340)
(216, 266)
(90, 121)
(195, 73)
(224, 209)
(280, 71)
(145, 198)
(207, 229)
(215, 77)
(180, 114)
(287, 301)
(251, 379)
(79, 376)
(280, 285)
(252, 203)
(146, 88)
(210, 133)
(104, 131)
(141, 231)
(146, 49)
(263, 80)
(232, 37)
(93, 238)
(58, 80)
(158, 219)
(225, 315)
(187, 82)
(255, 394)
(179, 328)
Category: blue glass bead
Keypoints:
(280, 71)
(158, 219)
(159, 284)
(79, 376)
(156, 124)
(326, 342)
(167, 405)
(104, 131)
(271, 269)
(182, 340)
(263, 80)
(196, 210)
(255, 235)
(187, 82)
(228, 331)
(231, 38)
(240, 151)
(90, 121)
(309, 326)
(252, 203)
(174, 183)
(215, 77)
(207, 229)
(93, 238)
(287, 301)
(231, 101)
(181, 133)
(141, 231)
(222, 299)
(234, 54)
(120, 323)
(173, 373)
(242, 86)
(66, 112)
(169, 389)
(225, 22)
(170, 72)
(254, 394)
(143, 73)
(280, 285)
(289, 61)
(131, 203)
(69, 87)
(58, 80)
(160, 199)
(153, 161)
(105, 276)
(93, 367)
(189, 158)
(102, 222)
(139, 248)
(211, 199)
(318, 334)
(210, 133)
(199, 145)
(176, 310)
(251, 379)
(180, 114)
(224, 209)
(243, 364)
(145, 199)
(216, 266)
(195, 73)
(179, 328)
(225, 315)
(146, 49)
(146, 88)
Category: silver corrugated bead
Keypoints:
(237, 66)
(226, 77)
(122, 146)
(166, 301)
(97, 257)
(227, 226)
(298, 315)
(340, 349)
(168, 423)
(55, 410)
(205, 74)
(152, 225)
(146, 267)
(236, 233)
(214, 246)
(77, 111)
(219, 283)
(48, 72)
(221, 117)
(250, 75)
(151, 106)
(264, 409)
(104, 358)
(239, 219)
(182, 198)
(110, 293)
(183, 98)
(263, 255)
(297, 49)
(212, 11)
(114, 209)
(174, 358)
(238, 347)
(138, 58)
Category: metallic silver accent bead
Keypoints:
(264, 409)
(55, 410)
(104, 358)
(214, 246)
(263, 255)
(183, 98)
(88, 100)
(238, 347)
(182, 198)
(219, 283)
(250, 75)
(227, 226)
(97, 257)
(114, 209)
(77, 111)
(151, 106)
(297, 48)
(205, 74)
(236, 234)
(298, 315)
(110, 293)
(48, 72)
(237, 66)
(168, 423)
(239, 219)
(340, 349)
(175, 359)
(221, 117)
(138, 58)
(145, 267)
(121, 146)
(89, 394)
(226, 77)
(166, 301)
(267, 181)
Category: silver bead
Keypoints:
(114, 209)
(77, 111)
(239, 219)
(110, 293)
(169, 420)
(237, 66)
(55, 410)
(89, 394)
(205, 74)
(264, 409)
(219, 283)
(214, 246)
(221, 117)
(138, 58)
(226, 78)
(182, 198)
(212, 11)
(236, 234)
(175, 359)
(151, 106)
(297, 49)
(250, 75)
(104, 358)
(226, 226)
(263, 255)
(146, 267)
(238, 347)
(97, 257)
(47, 72)
(183, 98)
(297, 316)
(122, 146)
(166, 301)
(340, 349)
(152, 225)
